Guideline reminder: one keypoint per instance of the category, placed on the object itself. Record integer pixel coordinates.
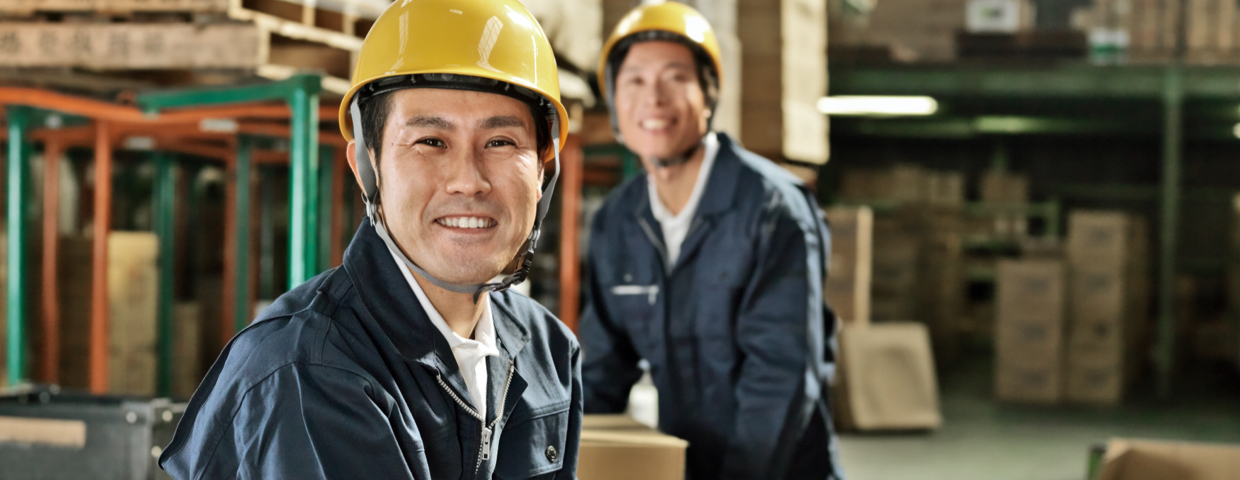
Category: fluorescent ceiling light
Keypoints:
(1236, 130)
(877, 105)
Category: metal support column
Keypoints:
(99, 305)
(165, 231)
(303, 185)
(49, 366)
(241, 279)
(571, 165)
(1173, 104)
(19, 119)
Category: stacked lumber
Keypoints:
(273, 39)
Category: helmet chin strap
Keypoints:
(370, 195)
(675, 160)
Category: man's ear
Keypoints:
(350, 152)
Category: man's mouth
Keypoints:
(654, 124)
(466, 222)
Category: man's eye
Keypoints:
(499, 143)
(432, 142)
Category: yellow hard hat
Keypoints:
(487, 39)
(672, 17)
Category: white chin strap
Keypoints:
(370, 195)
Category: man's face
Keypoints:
(459, 180)
(660, 106)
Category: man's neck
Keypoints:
(457, 309)
(674, 184)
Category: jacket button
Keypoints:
(551, 454)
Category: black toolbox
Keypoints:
(47, 434)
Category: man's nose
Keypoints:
(466, 174)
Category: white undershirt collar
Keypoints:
(676, 227)
(470, 354)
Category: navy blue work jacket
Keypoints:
(346, 377)
(736, 332)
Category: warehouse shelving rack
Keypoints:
(196, 122)
(983, 100)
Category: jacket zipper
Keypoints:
(484, 447)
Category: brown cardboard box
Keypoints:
(1003, 187)
(1161, 460)
(944, 189)
(1094, 377)
(1029, 383)
(132, 296)
(1099, 239)
(887, 379)
(1032, 289)
(616, 447)
(1030, 302)
(848, 282)
(186, 351)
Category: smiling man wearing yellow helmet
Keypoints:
(406, 361)
(709, 267)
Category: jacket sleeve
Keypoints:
(572, 443)
(317, 422)
(779, 332)
(610, 364)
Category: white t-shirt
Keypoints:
(470, 353)
(676, 227)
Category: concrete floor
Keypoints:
(981, 439)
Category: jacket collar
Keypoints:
(720, 190)
(394, 307)
(718, 197)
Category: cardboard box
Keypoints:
(133, 290)
(186, 352)
(1099, 239)
(1030, 317)
(1031, 289)
(616, 447)
(1029, 383)
(1094, 378)
(1003, 187)
(848, 281)
(1161, 460)
(887, 379)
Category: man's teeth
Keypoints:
(654, 124)
(466, 222)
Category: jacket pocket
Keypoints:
(533, 447)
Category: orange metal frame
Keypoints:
(174, 131)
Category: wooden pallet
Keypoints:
(272, 38)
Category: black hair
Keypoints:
(375, 104)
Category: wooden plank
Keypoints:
(26, 7)
(43, 431)
(129, 46)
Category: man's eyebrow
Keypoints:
(500, 121)
(428, 121)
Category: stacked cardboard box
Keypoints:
(997, 187)
(1029, 327)
(904, 184)
(1131, 459)
(186, 349)
(1107, 305)
(910, 30)
(1212, 28)
(894, 277)
(132, 296)
(848, 282)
